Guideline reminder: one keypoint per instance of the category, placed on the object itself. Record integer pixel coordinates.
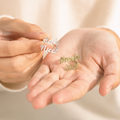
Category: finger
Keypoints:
(42, 81)
(45, 98)
(13, 48)
(11, 27)
(42, 71)
(107, 84)
(74, 91)
(19, 63)
(44, 84)
(16, 77)
(111, 77)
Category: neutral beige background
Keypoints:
(57, 17)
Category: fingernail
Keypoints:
(108, 89)
(41, 32)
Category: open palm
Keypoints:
(99, 59)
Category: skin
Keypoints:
(98, 63)
(20, 54)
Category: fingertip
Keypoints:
(29, 98)
(39, 103)
(104, 89)
(48, 35)
(35, 106)
(108, 83)
(58, 99)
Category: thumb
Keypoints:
(13, 27)
(111, 77)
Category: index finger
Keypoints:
(18, 47)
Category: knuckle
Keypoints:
(26, 73)
(23, 75)
(15, 21)
(16, 65)
(31, 27)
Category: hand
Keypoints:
(99, 59)
(20, 53)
